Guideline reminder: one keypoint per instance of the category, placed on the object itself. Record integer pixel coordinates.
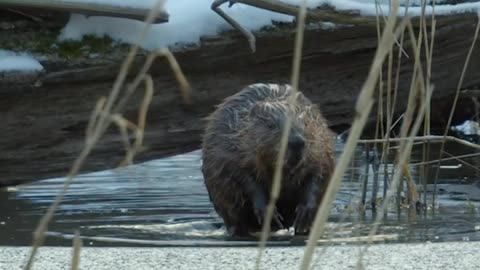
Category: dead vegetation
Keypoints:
(392, 32)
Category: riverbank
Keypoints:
(47, 113)
(449, 255)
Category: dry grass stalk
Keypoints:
(363, 107)
(455, 100)
(405, 145)
(277, 176)
(185, 88)
(359, 239)
(142, 119)
(426, 132)
(365, 175)
(389, 110)
(77, 247)
(475, 167)
(404, 154)
(452, 157)
(379, 121)
(401, 51)
(101, 117)
(332, 240)
(431, 139)
(412, 195)
(123, 125)
(379, 125)
(417, 83)
(94, 116)
(96, 129)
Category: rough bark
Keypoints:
(43, 116)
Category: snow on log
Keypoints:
(18, 62)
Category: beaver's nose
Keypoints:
(296, 143)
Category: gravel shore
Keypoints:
(451, 255)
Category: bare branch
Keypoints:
(430, 138)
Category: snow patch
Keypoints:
(408, 7)
(11, 61)
(191, 19)
(469, 127)
(188, 21)
(119, 3)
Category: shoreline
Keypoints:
(445, 255)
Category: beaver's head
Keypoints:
(266, 121)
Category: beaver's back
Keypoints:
(220, 149)
(226, 121)
(229, 114)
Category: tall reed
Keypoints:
(100, 120)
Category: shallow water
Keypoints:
(164, 202)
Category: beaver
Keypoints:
(239, 152)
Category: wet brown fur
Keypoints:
(238, 150)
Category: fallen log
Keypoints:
(44, 115)
(87, 8)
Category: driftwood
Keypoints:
(44, 116)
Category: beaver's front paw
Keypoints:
(303, 219)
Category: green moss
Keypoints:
(45, 43)
(70, 49)
(27, 41)
(85, 47)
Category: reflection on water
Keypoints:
(165, 201)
